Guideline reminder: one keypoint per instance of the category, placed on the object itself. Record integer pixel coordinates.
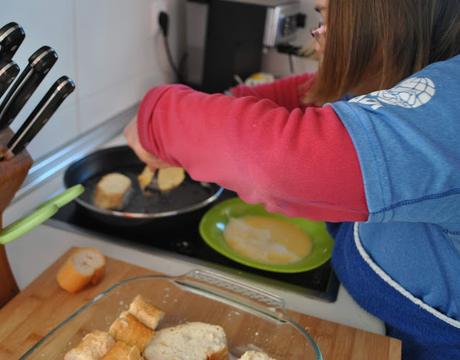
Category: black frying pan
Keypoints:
(141, 208)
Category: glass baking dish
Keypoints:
(253, 319)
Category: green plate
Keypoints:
(213, 224)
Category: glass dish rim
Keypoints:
(278, 312)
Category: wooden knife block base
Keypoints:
(12, 175)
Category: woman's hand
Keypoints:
(132, 138)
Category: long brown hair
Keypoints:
(374, 44)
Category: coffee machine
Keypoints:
(226, 38)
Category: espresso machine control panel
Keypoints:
(281, 24)
(226, 38)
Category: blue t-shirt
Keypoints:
(408, 143)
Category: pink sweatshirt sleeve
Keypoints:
(285, 92)
(300, 162)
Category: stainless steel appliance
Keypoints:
(227, 37)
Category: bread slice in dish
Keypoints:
(195, 340)
(145, 312)
(131, 331)
(122, 351)
(93, 346)
(112, 191)
(255, 355)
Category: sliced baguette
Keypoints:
(145, 178)
(219, 355)
(195, 340)
(167, 178)
(83, 267)
(255, 355)
(93, 346)
(122, 351)
(112, 191)
(170, 178)
(145, 312)
(131, 331)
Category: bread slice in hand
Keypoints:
(145, 178)
(170, 178)
(131, 331)
(122, 351)
(167, 178)
(112, 191)
(195, 340)
(145, 312)
(92, 347)
(255, 355)
(83, 267)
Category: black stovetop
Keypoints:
(182, 237)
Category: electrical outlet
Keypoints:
(156, 7)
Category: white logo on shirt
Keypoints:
(409, 94)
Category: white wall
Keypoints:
(110, 48)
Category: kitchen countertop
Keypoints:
(335, 341)
(33, 253)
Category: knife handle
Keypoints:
(47, 106)
(8, 72)
(40, 63)
(11, 37)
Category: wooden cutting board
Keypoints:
(42, 305)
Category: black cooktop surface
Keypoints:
(180, 235)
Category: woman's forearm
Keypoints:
(286, 92)
(301, 163)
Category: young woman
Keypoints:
(383, 168)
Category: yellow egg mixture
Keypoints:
(267, 240)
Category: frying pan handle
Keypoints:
(235, 292)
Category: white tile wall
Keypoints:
(111, 48)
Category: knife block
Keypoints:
(12, 174)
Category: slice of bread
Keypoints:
(195, 340)
(255, 355)
(219, 355)
(122, 351)
(83, 267)
(167, 178)
(145, 178)
(131, 331)
(112, 191)
(92, 347)
(170, 178)
(145, 312)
